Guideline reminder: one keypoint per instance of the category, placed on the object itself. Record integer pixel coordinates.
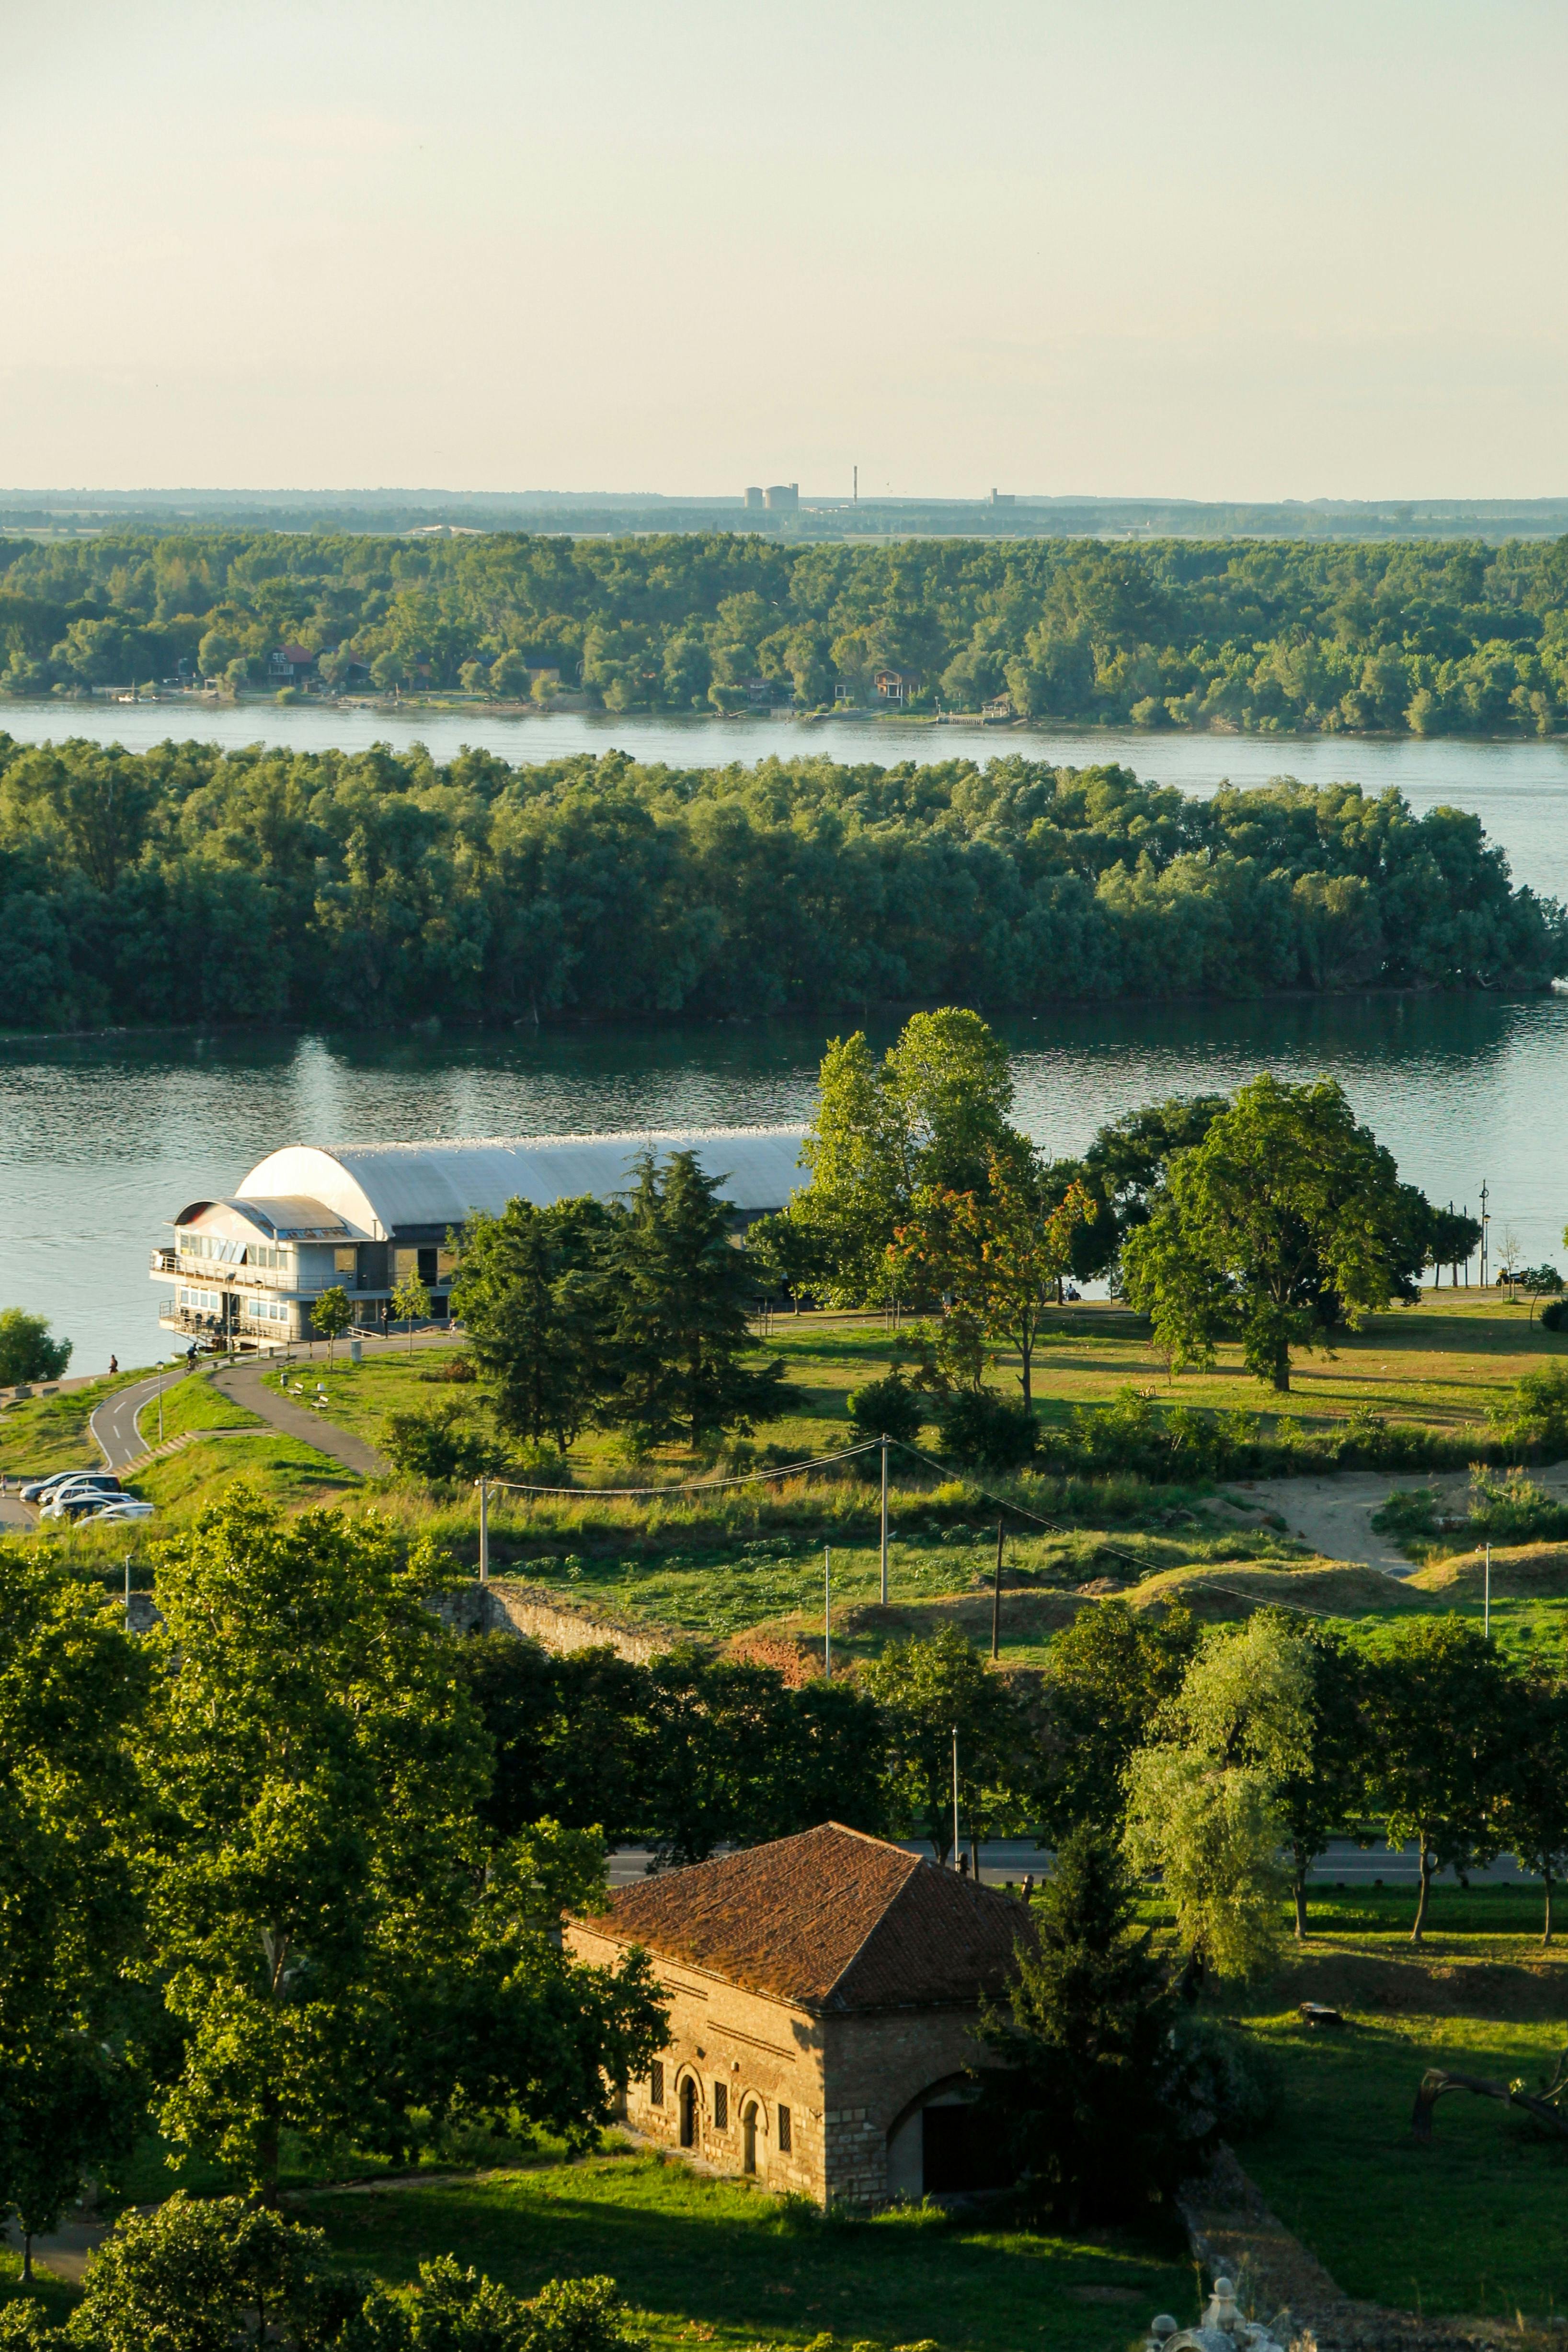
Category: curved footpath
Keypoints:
(241, 1384)
(112, 1424)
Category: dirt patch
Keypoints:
(1429, 1984)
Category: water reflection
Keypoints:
(100, 1142)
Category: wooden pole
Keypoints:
(483, 1532)
(997, 1599)
(827, 1613)
(884, 1523)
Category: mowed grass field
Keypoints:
(755, 1560)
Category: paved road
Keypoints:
(1343, 1863)
(242, 1383)
(113, 1423)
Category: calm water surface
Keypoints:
(101, 1143)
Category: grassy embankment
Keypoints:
(750, 1557)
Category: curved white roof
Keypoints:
(383, 1188)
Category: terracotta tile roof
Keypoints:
(830, 1920)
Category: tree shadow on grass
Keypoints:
(694, 2254)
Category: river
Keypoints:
(103, 1142)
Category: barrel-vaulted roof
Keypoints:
(830, 1920)
(379, 1189)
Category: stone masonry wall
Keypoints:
(767, 2054)
(874, 2065)
(509, 1608)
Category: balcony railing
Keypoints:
(163, 1261)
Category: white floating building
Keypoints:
(369, 1215)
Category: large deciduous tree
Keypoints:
(933, 1112)
(1205, 1794)
(72, 1686)
(333, 1934)
(997, 1253)
(928, 1691)
(1440, 1714)
(1287, 1217)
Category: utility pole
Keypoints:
(483, 1531)
(1485, 1222)
(997, 1601)
(1486, 1604)
(128, 1592)
(884, 1522)
(954, 1796)
(827, 1613)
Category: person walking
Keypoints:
(113, 1366)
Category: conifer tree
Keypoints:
(1089, 2090)
(682, 1299)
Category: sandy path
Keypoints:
(1333, 1515)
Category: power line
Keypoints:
(689, 1485)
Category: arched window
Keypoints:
(688, 2096)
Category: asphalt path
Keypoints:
(243, 1384)
(112, 1424)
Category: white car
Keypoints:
(122, 1506)
(74, 1496)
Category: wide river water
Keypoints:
(102, 1141)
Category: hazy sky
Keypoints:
(1191, 247)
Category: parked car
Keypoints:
(38, 1490)
(76, 1495)
(122, 1506)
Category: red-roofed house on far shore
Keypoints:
(824, 1995)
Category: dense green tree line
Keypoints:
(185, 882)
(1421, 637)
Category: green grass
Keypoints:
(192, 1402)
(49, 1433)
(293, 1472)
(1472, 2224)
(719, 2262)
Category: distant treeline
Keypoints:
(1429, 638)
(185, 883)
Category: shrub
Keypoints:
(1537, 1412)
(1232, 2083)
(978, 1425)
(1554, 1316)
(443, 1444)
(886, 1408)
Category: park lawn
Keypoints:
(719, 2262)
(293, 1472)
(44, 1433)
(192, 1402)
(1471, 2224)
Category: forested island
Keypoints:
(187, 883)
(1393, 637)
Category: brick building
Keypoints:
(823, 1996)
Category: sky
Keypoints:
(1140, 248)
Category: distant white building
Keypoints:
(368, 1215)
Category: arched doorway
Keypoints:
(688, 2113)
(748, 2123)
